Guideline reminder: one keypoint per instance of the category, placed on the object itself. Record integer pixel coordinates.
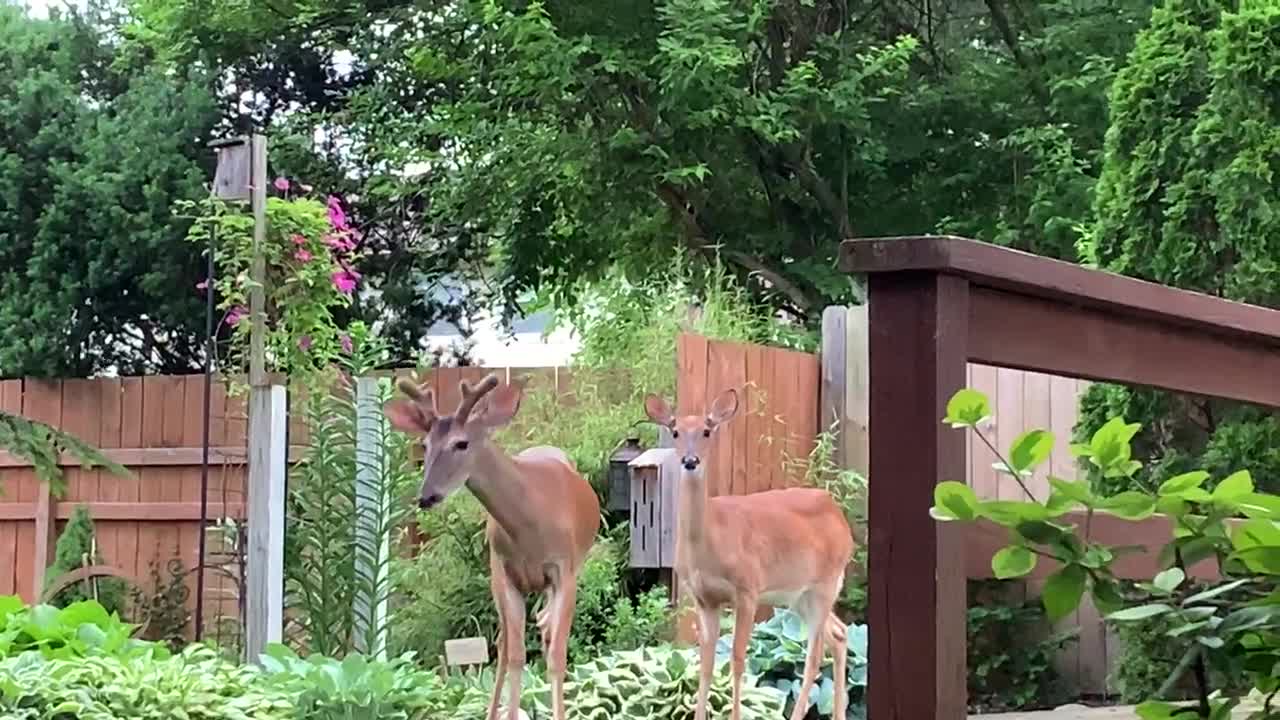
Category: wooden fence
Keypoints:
(766, 446)
(153, 426)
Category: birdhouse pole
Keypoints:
(242, 175)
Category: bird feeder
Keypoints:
(654, 474)
(620, 474)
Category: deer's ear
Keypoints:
(407, 415)
(499, 406)
(724, 408)
(658, 410)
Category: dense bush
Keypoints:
(1011, 648)
(1229, 632)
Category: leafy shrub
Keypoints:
(1230, 632)
(76, 549)
(1010, 654)
(355, 687)
(196, 684)
(606, 618)
(79, 630)
(658, 683)
(776, 655)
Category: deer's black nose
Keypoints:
(690, 463)
(429, 501)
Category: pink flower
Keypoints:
(298, 239)
(202, 285)
(345, 280)
(341, 243)
(236, 314)
(337, 217)
(281, 184)
(304, 342)
(303, 255)
(347, 346)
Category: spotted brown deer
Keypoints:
(543, 518)
(780, 547)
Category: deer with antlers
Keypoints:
(543, 518)
(785, 547)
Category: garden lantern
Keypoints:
(620, 474)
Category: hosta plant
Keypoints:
(196, 684)
(354, 687)
(1232, 626)
(659, 683)
(776, 654)
(81, 629)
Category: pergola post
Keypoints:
(940, 302)
(917, 347)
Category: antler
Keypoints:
(424, 396)
(470, 396)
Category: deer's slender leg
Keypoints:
(744, 615)
(814, 611)
(838, 642)
(499, 584)
(708, 624)
(513, 619)
(561, 621)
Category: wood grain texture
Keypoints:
(917, 592)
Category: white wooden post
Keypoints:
(372, 545)
(264, 606)
(258, 269)
(844, 386)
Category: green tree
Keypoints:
(75, 549)
(1186, 198)
(562, 140)
(94, 270)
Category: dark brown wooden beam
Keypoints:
(1030, 333)
(918, 328)
(992, 266)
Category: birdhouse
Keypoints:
(654, 474)
(233, 178)
(620, 474)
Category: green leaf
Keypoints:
(1041, 532)
(1214, 592)
(1181, 483)
(1013, 561)
(1154, 710)
(1062, 591)
(954, 501)
(1233, 486)
(1010, 513)
(967, 408)
(1141, 612)
(1030, 449)
(1258, 505)
(1106, 595)
(1169, 580)
(1130, 505)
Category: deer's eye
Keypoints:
(706, 433)
(461, 445)
(675, 434)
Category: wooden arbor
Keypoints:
(937, 303)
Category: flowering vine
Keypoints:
(311, 253)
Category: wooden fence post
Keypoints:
(45, 524)
(371, 547)
(844, 388)
(264, 606)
